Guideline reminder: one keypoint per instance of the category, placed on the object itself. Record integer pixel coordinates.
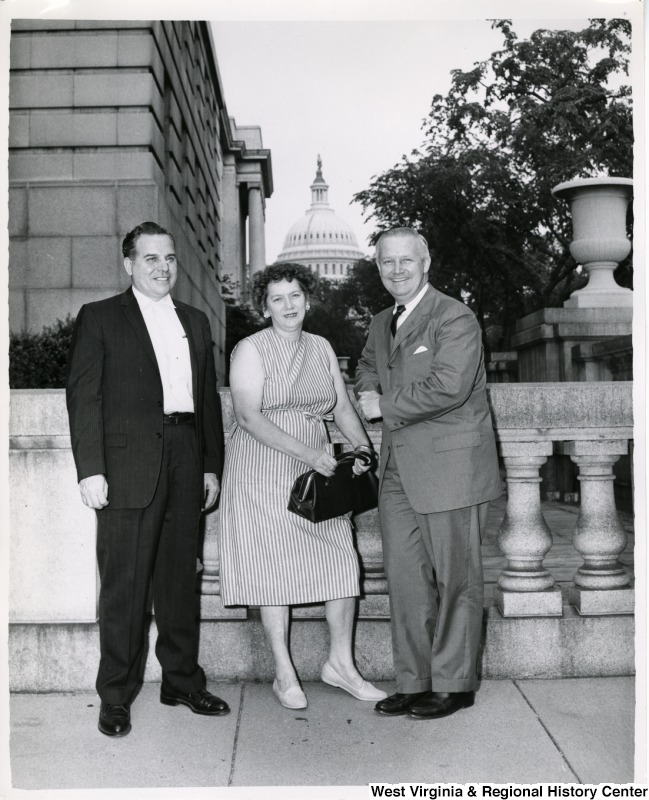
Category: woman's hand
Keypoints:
(361, 465)
(321, 461)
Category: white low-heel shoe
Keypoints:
(365, 692)
(291, 698)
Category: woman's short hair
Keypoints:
(278, 272)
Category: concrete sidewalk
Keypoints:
(578, 730)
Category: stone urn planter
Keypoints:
(598, 207)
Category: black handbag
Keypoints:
(318, 498)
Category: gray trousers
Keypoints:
(433, 566)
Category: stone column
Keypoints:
(256, 233)
(601, 584)
(525, 587)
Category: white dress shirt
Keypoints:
(171, 350)
(409, 307)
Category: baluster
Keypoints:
(601, 584)
(525, 587)
(211, 604)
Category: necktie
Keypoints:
(395, 317)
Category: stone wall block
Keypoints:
(19, 129)
(20, 52)
(17, 211)
(79, 210)
(17, 263)
(135, 48)
(46, 306)
(134, 127)
(43, 25)
(44, 90)
(49, 262)
(73, 129)
(17, 310)
(175, 146)
(110, 24)
(38, 413)
(116, 164)
(49, 166)
(120, 88)
(136, 204)
(175, 114)
(174, 179)
(54, 583)
(97, 262)
(76, 51)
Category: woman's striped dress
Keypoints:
(270, 556)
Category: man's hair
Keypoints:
(277, 272)
(129, 245)
(423, 244)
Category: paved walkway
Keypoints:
(577, 730)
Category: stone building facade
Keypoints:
(113, 123)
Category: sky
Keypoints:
(355, 92)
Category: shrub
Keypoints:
(39, 360)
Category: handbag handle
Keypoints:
(367, 457)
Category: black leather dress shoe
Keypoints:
(200, 702)
(114, 719)
(398, 703)
(440, 704)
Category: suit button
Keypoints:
(159, 403)
(158, 436)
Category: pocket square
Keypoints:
(420, 349)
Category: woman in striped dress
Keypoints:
(283, 383)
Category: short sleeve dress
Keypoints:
(268, 555)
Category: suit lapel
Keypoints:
(134, 316)
(419, 315)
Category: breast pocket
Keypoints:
(419, 365)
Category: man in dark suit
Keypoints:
(147, 442)
(422, 371)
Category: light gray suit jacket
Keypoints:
(436, 419)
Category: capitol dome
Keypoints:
(320, 239)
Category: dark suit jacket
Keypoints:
(115, 398)
(436, 418)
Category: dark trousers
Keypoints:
(153, 546)
(433, 566)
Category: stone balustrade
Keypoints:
(54, 586)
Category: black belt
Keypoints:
(179, 418)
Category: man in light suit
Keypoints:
(147, 442)
(422, 371)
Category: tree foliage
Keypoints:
(536, 113)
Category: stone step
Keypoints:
(63, 657)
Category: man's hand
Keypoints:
(369, 403)
(211, 488)
(94, 491)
